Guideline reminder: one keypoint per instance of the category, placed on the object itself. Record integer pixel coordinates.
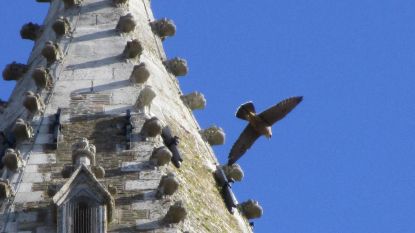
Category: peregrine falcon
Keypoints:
(259, 124)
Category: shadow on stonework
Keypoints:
(107, 133)
(95, 35)
(123, 229)
(144, 166)
(31, 221)
(113, 172)
(103, 87)
(149, 225)
(95, 6)
(81, 118)
(116, 111)
(97, 63)
(130, 199)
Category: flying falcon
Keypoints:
(259, 124)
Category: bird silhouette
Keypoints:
(259, 124)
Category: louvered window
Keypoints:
(83, 216)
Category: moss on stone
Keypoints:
(206, 209)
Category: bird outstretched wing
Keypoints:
(280, 110)
(244, 142)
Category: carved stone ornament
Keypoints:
(119, 2)
(126, 23)
(31, 31)
(169, 184)
(140, 74)
(161, 156)
(176, 213)
(194, 100)
(112, 189)
(152, 127)
(83, 152)
(177, 66)
(22, 130)
(163, 28)
(12, 159)
(133, 49)
(14, 71)
(145, 97)
(5, 189)
(42, 78)
(234, 172)
(214, 135)
(98, 171)
(251, 209)
(51, 52)
(61, 26)
(33, 103)
(71, 3)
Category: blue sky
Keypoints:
(343, 161)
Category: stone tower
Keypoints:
(97, 136)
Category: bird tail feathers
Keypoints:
(244, 110)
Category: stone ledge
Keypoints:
(41, 158)
(141, 184)
(23, 197)
(35, 177)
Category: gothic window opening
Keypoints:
(82, 216)
(83, 204)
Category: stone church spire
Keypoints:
(98, 137)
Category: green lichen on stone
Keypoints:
(206, 209)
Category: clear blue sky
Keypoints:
(344, 160)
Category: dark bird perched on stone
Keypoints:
(259, 124)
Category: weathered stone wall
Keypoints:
(92, 56)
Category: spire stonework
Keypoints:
(86, 97)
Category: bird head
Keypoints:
(268, 132)
(268, 135)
